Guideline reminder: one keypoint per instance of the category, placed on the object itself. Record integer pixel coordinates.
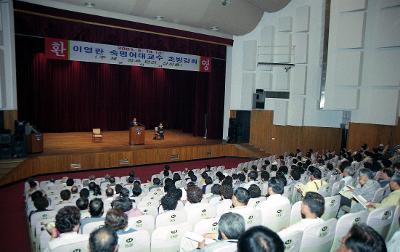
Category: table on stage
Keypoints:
(136, 135)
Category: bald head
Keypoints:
(103, 240)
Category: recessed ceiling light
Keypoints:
(214, 28)
(89, 4)
(159, 18)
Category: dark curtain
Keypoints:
(63, 96)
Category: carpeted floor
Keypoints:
(14, 237)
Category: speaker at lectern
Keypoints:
(136, 133)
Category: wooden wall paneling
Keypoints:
(9, 117)
(371, 134)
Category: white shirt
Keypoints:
(67, 238)
(394, 243)
(243, 211)
(347, 180)
(276, 199)
(248, 184)
(302, 225)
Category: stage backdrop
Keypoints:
(64, 96)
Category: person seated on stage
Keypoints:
(103, 239)
(362, 238)
(134, 122)
(161, 131)
(117, 221)
(312, 208)
(66, 228)
(96, 210)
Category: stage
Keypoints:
(81, 142)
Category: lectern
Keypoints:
(35, 143)
(136, 135)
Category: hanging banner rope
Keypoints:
(62, 49)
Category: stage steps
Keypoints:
(7, 165)
(254, 151)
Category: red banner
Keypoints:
(205, 64)
(56, 48)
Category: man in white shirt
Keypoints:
(252, 179)
(67, 224)
(312, 208)
(274, 195)
(240, 199)
(348, 173)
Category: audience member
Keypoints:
(362, 238)
(125, 204)
(117, 221)
(366, 187)
(83, 206)
(103, 240)
(254, 191)
(314, 184)
(274, 193)
(260, 239)
(393, 199)
(96, 210)
(41, 204)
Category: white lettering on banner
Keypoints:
(122, 55)
(58, 48)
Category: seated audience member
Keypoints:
(362, 238)
(136, 190)
(84, 193)
(168, 203)
(230, 227)
(41, 204)
(103, 240)
(83, 206)
(67, 226)
(208, 182)
(240, 199)
(393, 199)
(312, 208)
(274, 193)
(264, 176)
(366, 187)
(254, 191)
(315, 182)
(96, 210)
(385, 176)
(69, 183)
(259, 238)
(156, 183)
(117, 221)
(295, 175)
(33, 186)
(109, 195)
(282, 177)
(65, 196)
(241, 180)
(226, 199)
(74, 190)
(252, 179)
(194, 196)
(125, 204)
(96, 190)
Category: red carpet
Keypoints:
(15, 236)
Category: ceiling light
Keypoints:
(159, 18)
(226, 2)
(89, 4)
(214, 28)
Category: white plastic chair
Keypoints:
(288, 191)
(39, 217)
(170, 218)
(345, 223)
(275, 216)
(90, 226)
(295, 213)
(145, 222)
(325, 191)
(332, 205)
(206, 226)
(319, 237)
(336, 187)
(253, 202)
(82, 246)
(380, 219)
(135, 241)
(395, 224)
(223, 207)
(378, 196)
(196, 212)
(291, 240)
(168, 238)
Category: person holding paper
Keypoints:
(393, 199)
(366, 188)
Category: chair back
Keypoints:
(196, 212)
(336, 187)
(380, 219)
(253, 202)
(168, 238)
(170, 218)
(206, 226)
(134, 241)
(142, 222)
(378, 196)
(82, 246)
(395, 224)
(91, 226)
(345, 223)
(325, 190)
(288, 191)
(97, 131)
(295, 213)
(291, 240)
(332, 205)
(318, 237)
(275, 216)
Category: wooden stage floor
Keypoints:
(81, 142)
